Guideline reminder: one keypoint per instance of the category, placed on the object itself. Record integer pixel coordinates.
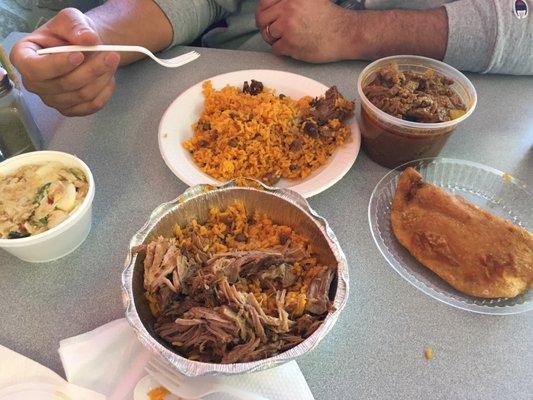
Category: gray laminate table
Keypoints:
(376, 349)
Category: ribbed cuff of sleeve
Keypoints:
(472, 34)
(189, 18)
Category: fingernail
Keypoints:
(75, 58)
(111, 59)
(82, 31)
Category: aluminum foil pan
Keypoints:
(284, 207)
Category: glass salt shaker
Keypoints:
(18, 131)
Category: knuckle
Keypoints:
(67, 112)
(68, 13)
(291, 40)
(19, 63)
(288, 8)
(86, 94)
(14, 56)
(283, 23)
(262, 21)
(95, 69)
(64, 84)
(29, 85)
(287, 40)
(290, 24)
(297, 56)
(97, 104)
(29, 75)
(78, 25)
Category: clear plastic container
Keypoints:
(488, 188)
(391, 141)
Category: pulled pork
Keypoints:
(204, 308)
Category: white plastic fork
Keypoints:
(194, 388)
(169, 62)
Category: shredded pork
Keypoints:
(204, 306)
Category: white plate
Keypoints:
(176, 127)
(34, 391)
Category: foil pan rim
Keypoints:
(194, 368)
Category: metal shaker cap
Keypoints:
(5, 83)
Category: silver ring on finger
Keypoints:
(268, 34)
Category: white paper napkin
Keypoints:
(15, 369)
(110, 360)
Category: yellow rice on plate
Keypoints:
(244, 135)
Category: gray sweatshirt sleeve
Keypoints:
(486, 36)
(189, 18)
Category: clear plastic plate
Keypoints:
(493, 190)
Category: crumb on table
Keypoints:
(507, 177)
(428, 353)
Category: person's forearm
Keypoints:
(132, 22)
(376, 34)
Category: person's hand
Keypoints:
(73, 83)
(308, 30)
